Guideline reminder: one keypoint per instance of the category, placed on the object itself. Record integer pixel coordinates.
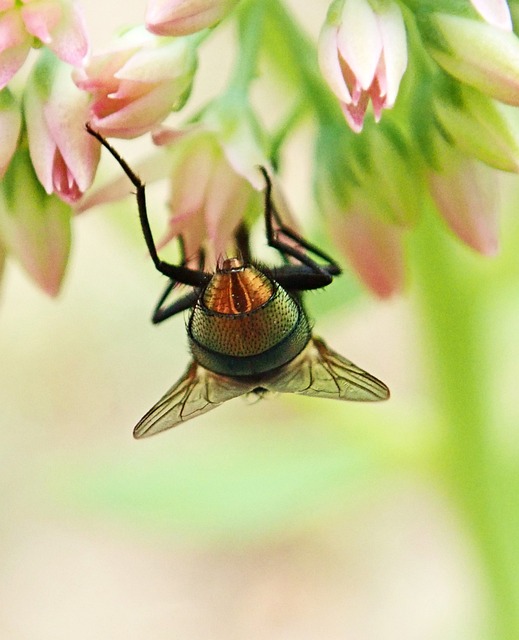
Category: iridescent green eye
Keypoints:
(247, 329)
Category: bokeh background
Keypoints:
(284, 518)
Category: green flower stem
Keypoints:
(454, 297)
(250, 31)
(295, 55)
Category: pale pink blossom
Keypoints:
(58, 24)
(215, 183)
(495, 12)
(363, 56)
(63, 154)
(465, 193)
(181, 17)
(373, 247)
(10, 125)
(138, 83)
(34, 227)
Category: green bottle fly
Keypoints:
(245, 323)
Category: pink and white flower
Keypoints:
(181, 17)
(363, 56)
(58, 24)
(63, 154)
(215, 183)
(138, 83)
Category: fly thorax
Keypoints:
(245, 323)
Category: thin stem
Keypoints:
(250, 30)
(453, 304)
(285, 128)
(293, 50)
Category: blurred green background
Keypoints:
(284, 518)
(287, 517)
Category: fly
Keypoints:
(247, 329)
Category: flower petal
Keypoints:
(138, 117)
(374, 248)
(65, 113)
(393, 36)
(41, 144)
(182, 17)
(495, 12)
(139, 84)
(466, 196)
(38, 235)
(354, 113)
(329, 63)
(64, 156)
(15, 44)
(12, 30)
(359, 40)
(226, 198)
(482, 128)
(158, 63)
(480, 55)
(59, 25)
(41, 18)
(239, 143)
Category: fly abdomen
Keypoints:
(246, 324)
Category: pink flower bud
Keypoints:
(374, 248)
(363, 56)
(58, 24)
(479, 54)
(37, 235)
(465, 193)
(367, 219)
(181, 17)
(480, 127)
(64, 155)
(136, 85)
(215, 184)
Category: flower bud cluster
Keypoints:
(458, 64)
(46, 160)
(414, 102)
(125, 93)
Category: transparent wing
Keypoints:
(321, 372)
(197, 392)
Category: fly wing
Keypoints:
(197, 392)
(321, 372)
